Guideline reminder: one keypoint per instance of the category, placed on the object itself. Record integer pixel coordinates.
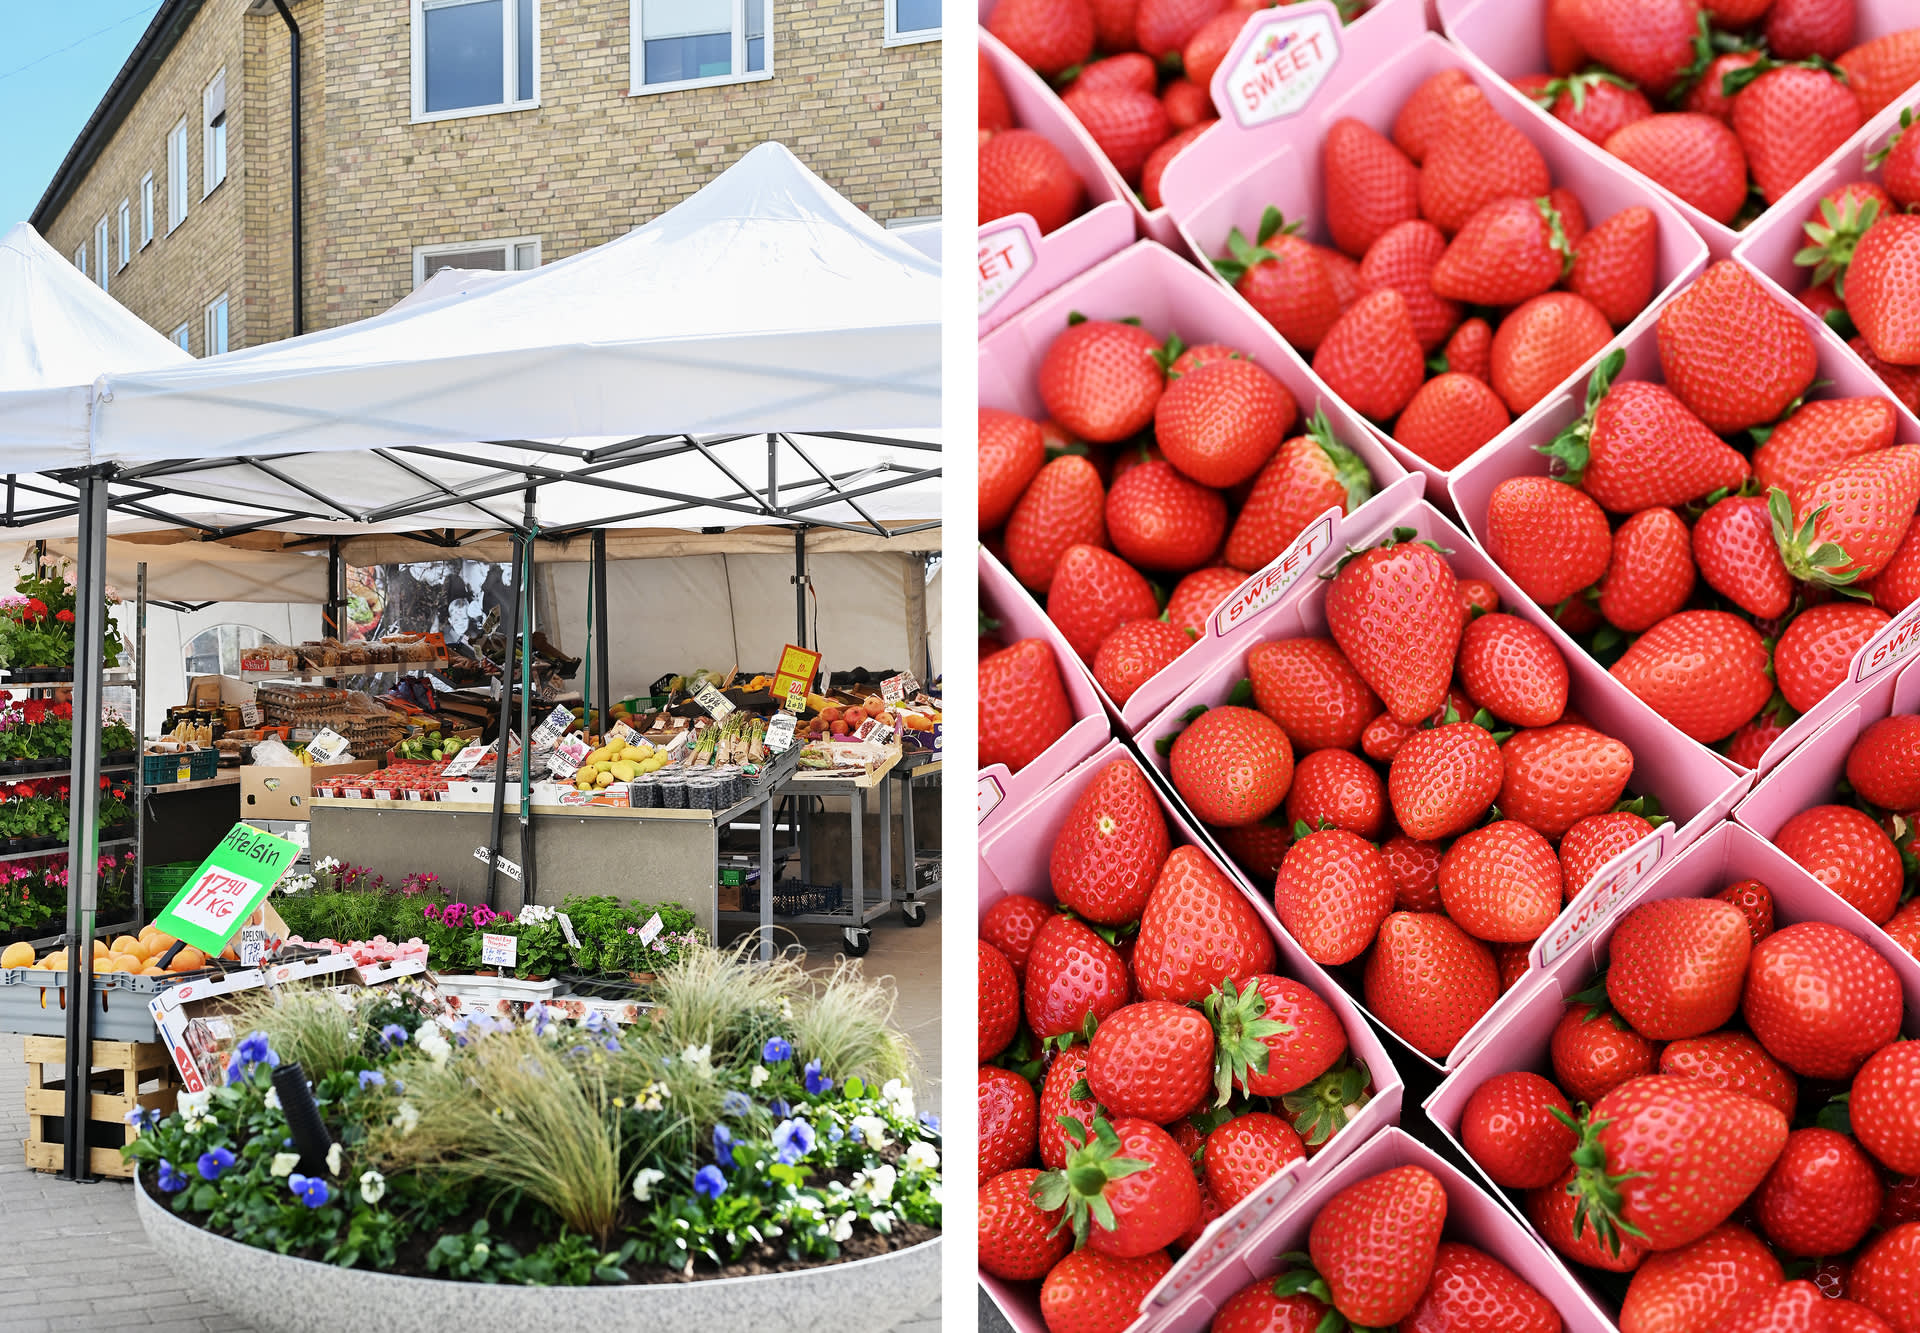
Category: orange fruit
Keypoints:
(107, 964)
(100, 949)
(127, 962)
(188, 959)
(19, 954)
(151, 971)
(161, 942)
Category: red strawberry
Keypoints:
(1508, 251)
(1429, 981)
(1542, 343)
(1903, 382)
(1862, 506)
(1703, 671)
(1128, 72)
(1594, 104)
(1442, 780)
(1406, 258)
(1153, 1060)
(1337, 789)
(1900, 168)
(1734, 548)
(1057, 1102)
(1246, 1152)
(1733, 354)
(995, 114)
(1755, 900)
(1018, 1241)
(1116, 1211)
(1049, 35)
(1010, 925)
(1209, 46)
(1384, 736)
(1821, 1196)
(1162, 27)
(1845, 1316)
(1564, 52)
(1594, 1052)
(1650, 575)
(1884, 764)
(1332, 893)
(1552, 1212)
(1573, 214)
(1749, 745)
(1615, 265)
(1306, 476)
(1638, 447)
(1469, 1286)
(1022, 172)
(999, 1002)
(1256, 1309)
(1677, 966)
(1395, 612)
(1797, 29)
(1372, 356)
(1886, 1278)
(1550, 538)
(1159, 519)
(1160, 158)
(1310, 688)
(1557, 776)
(1374, 1242)
(1501, 883)
(1697, 1285)
(1424, 116)
(1370, 185)
(1282, 277)
(1709, 97)
(1259, 848)
(1880, 283)
(1478, 158)
(1113, 24)
(1470, 350)
(1884, 1109)
(1090, 1292)
(1904, 928)
(1072, 975)
(1820, 1000)
(1814, 656)
(1415, 867)
(1232, 766)
(1734, 1061)
(1127, 125)
(1880, 70)
(1697, 157)
(1007, 1121)
(1102, 379)
(1063, 507)
(1594, 841)
(1850, 854)
(1219, 423)
(1198, 931)
(1197, 595)
(1309, 1044)
(1450, 418)
(1134, 653)
(1345, 272)
(1647, 41)
(1819, 437)
(1188, 104)
(1509, 1128)
(1023, 705)
(1792, 1307)
(1112, 845)
(1790, 119)
(1093, 593)
(1011, 452)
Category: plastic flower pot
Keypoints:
(1694, 788)
(1014, 860)
(1266, 152)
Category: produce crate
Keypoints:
(186, 766)
(161, 882)
(796, 899)
(125, 1075)
(34, 1002)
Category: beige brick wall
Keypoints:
(586, 165)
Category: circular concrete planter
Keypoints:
(278, 1294)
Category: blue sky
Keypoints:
(54, 66)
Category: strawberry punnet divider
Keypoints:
(1729, 853)
(1695, 789)
(1230, 175)
(1013, 859)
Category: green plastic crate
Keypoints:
(163, 881)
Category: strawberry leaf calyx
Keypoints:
(1598, 1202)
(1242, 257)
(1323, 1107)
(1169, 352)
(1806, 557)
(1556, 233)
(1349, 470)
(1274, 223)
(1836, 1115)
(1302, 1279)
(1832, 239)
(988, 624)
(1647, 806)
(1241, 695)
(1240, 1031)
(1079, 1189)
(1571, 448)
(1879, 156)
(1164, 746)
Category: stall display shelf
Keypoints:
(224, 780)
(382, 669)
(922, 878)
(854, 921)
(59, 849)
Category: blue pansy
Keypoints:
(835, 1134)
(792, 1141)
(170, 1180)
(372, 1078)
(723, 1145)
(708, 1181)
(930, 1122)
(310, 1190)
(780, 1107)
(736, 1104)
(393, 1035)
(776, 1050)
(214, 1162)
(254, 1050)
(817, 1082)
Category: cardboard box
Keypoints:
(213, 691)
(283, 793)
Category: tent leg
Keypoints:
(333, 587)
(800, 587)
(83, 867)
(512, 636)
(603, 682)
(527, 876)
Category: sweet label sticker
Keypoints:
(499, 950)
(327, 747)
(1595, 904)
(1006, 254)
(1265, 587)
(1277, 65)
(1893, 645)
(227, 888)
(989, 793)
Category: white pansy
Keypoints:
(433, 1043)
(643, 1182)
(900, 1096)
(327, 863)
(273, 1099)
(937, 1192)
(333, 1160)
(373, 1186)
(879, 1183)
(843, 1227)
(922, 1157)
(283, 1163)
(193, 1107)
(758, 1076)
(406, 1118)
(873, 1131)
(786, 1008)
(700, 1057)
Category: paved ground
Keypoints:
(73, 1257)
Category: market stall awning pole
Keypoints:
(83, 867)
(140, 745)
(332, 626)
(511, 636)
(800, 587)
(603, 632)
(526, 715)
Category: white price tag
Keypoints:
(713, 701)
(327, 747)
(652, 928)
(253, 944)
(568, 752)
(894, 688)
(508, 868)
(780, 733)
(566, 928)
(622, 734)
(469, 758)
(873, 729)
(553, 728)
(249, 714)
(499, 950)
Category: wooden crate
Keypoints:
(121, 1069)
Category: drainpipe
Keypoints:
(299, 254)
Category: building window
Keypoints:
(126, 232)
(146, 210)
(177, 176)
(693, 43)
(216, 651)
(103, 246)
(213, 134)
(217, 325)
(471, 57)
(912, 21)
(80, 259)
(180, 340)
(512, 254)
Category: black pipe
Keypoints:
(603, 632)
(310, 1137)
(512, 630)
(333, 589)
(528, 623)
(299, 183)
(800, 587)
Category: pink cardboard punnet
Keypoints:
(1169, 295)
(1509, 38)
(1016, 263)
(1014, 859)
(1001, 792)
(1694, 789)
(1841, 375)
(1473, 1218)
(1726, 855)
(1266, 150)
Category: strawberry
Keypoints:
(1162, 157)
(1733, 354)
(1791, 1307)
(1158, 519)
(1007, 1121)
(1018, 1241)
(1677, 966)
(1734, 548)
(1850, 854)
(1477, 159)
(1848, 522)
(1594, 1051)
(1797, 29)
(1246, 1152)
(1072, 975)
(1842, 217)
(1153, 1059)
(1232, 766)
(1904, 928)
(1884, 764)
(1110, 848)
(1204, 51)
(1884, 1109)
(1845, 1316)
(1162, 27)
(1256, 1309)
(1113, 24)
(1697, 158)
(999, 1002)
(1594, 841)
(1501, 883)
(1429, 981)
(1197, 595)
(1424, 116)
(1220, 423)
(1062, 508)
(1011, 452)
(1415, 866)
(1880, 70)
(1697, 1285)
(1650, 575)
(1573, 214)
(1134, 653)
(1369, 185)
(1406, 258)
(1310, 688)
(1050, 35)
(1469, 1286)
(1442, 780)
(1550, 538)
(1734, 1061)
(1557, 776)
(1814, 656)
(1564, 52)
(1450, 418)
(1616, 262)
(1821, 1195)
(1886, 1278)
(1197, 932)
(1470, 350)
(1306, 476)
(1022, 172)
(1508, 251)
(995, 114)
(1010, 925)
(1093, 593)
(1308, 1044)
(1189, 105)
(1127, 1188)
(1789, 120)
(1129, 71)
(1374, 1243)
(1903, 382)
(1820, 999)
(1709, 97)
(1332, 892)
(1395, 612)
(1101, 379)
(1384, 736)
(1066, 1074)
(1345, 272)
(1540, 344)
(1820, 436)
(1594, 104)
(1372, 357)
(1259, 848)
(1282, 277)
(1755, 900)
(1647, 41)
(1900, 165)
(1127, 125)
(1749, 745)
(1023, 705)
(1509, 1128)
(1337, 789)
(1703, 671)
(1090, 1292)
(1553, 1214)
(1880, 282)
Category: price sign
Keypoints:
(508, 868)
(873, 729)
(327, 747)
(469, 759)
(499, 950)
(568, 753)
(780, 733)
(227, 888)
(797, 665)
(796, 697)
(652, 928)
(552, 729)
(253, 945)
(249, 714)
(713, 701)
(895, 688)
(622, 734)
(566, 928)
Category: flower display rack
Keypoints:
(126, 1075)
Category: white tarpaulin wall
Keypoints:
(210, 572)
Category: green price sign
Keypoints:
(227, 888)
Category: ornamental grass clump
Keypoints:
(847, 1024)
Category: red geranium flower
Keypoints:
(64, 617)
(23, 791)
(63, 711)
(35, 711)
(35, 609)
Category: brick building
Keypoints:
(473, 133)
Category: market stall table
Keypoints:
(918, 766)
(855, 786)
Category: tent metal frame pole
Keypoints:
(800, 583)
(140, 745)
(83, 836)
(512, 629)
(334, 571)
(603, 633)
(527, 613)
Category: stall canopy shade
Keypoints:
(196, 572)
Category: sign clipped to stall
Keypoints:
(249, 714)
(797, 666)
(469, 759)
(622, 734)
(327, 746)
(713, 701)
(499, 950)
(796, 701)
(568, 754)
(553, 728)
(253, 945)
(227, 888)
(653, 927)
(895, 688)
(780, 733)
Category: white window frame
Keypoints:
(178, 149)
(80, 259)
(126, 234)
(895, 37)
(180, 339)
(218, 303)
(146, 210)
(510, 244)
(103, 247)
(509, 76)
(637, 86)
(213, 140)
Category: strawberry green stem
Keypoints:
(1598, 1202)
(1240, 1031)
(1806, 557)
(1079, 1188)
(1322, 1108)
(1571, 448)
